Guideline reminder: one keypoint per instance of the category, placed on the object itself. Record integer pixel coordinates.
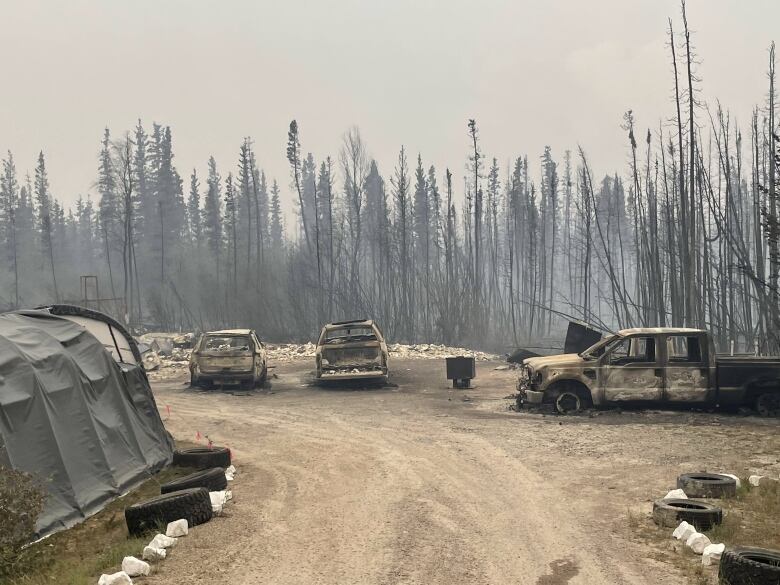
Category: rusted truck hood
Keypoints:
(566, 360)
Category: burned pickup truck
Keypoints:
(654, 366)
(351, 350)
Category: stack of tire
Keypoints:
(738, 565)
(702, 515)
(186, 497)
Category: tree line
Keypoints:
(686, 234)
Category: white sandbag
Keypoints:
(677, 494)
(153, 554)
(761, 480)
(683, 531)
(712, 554)
(162, 541)
(230, 472)
(697, 542)
(217, 501)
(228, 495)
(177, 528)
(734, 477)
(120, 578)
(135, 567)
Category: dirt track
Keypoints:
(419, 483)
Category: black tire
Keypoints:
(707, 485)
(202, 457)
(568, 402)
(212, 479)
(768, 404)
(750, 566)
(570, 399)
(194, 505)
(671, 512)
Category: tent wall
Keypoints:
(85, 425)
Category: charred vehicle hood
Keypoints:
(566, 360)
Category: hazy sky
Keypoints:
(557, 72)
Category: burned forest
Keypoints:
(483, 252)
(390, 293)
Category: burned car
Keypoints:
(652, 366)
(351, 350)
(233, 356)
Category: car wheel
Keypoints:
(768, 404)
(568, 402)
(263, 376)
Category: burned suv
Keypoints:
(350, 350)
(234, 356)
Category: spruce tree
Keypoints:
(193, 208)
(212, 211)
(9, 201)
(277, 222)
(43, 201)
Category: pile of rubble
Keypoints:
(165, 355)
(285, 352)
(435, 351)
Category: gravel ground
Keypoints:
(418, 483)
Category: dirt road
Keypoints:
(418, 483)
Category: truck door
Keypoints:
(631, 371)
(687, 369)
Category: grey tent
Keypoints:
(76, 410)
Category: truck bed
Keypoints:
(736, 373)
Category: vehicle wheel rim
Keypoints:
(568, 403)
(768, 405)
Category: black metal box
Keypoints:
(461, 368)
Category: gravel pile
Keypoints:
(291, 351)
(285, 352)
(434, 351)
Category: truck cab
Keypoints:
(652, 366)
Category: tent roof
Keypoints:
(85, 424)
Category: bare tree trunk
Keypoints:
(685, 257)
(693, 316)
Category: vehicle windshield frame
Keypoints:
(247, 337)
(605, 343)
(325, 338)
